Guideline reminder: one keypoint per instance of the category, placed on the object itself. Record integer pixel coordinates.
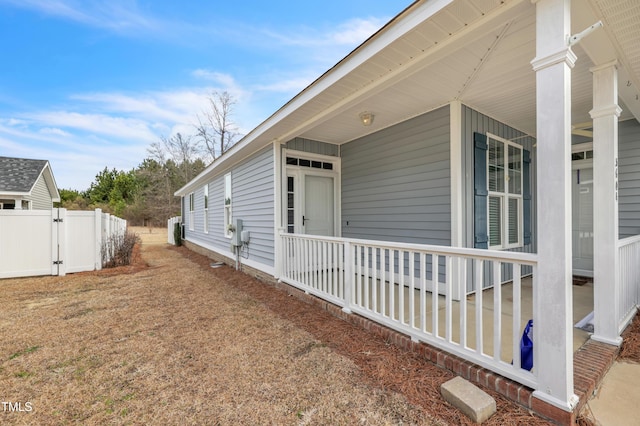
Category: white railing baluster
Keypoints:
(412, 288)
(401, 286)
(374, 279)
(392, 284)
(497, 310)
(383, 283)
(423, 292)
(479, 291)
(325, 269)
(463, 304)
(366, 303)
(517, 317)
(448, 299)
(358, 264)
(435, 262)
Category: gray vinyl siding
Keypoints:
(252, 195)
(396, 182)
(253, 202)
(315, 147)
(40, 195)
(473, 121)
(629, 178)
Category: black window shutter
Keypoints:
(480, 234)
(526, 196)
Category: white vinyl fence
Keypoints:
(54, 242)
(171, 223)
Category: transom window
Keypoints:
(315, 164)
(504, 182)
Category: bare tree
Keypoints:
(215, 127)
(182, 150)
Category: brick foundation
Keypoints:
(591, 361)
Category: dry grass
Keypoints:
(171, 343)
(169, 340)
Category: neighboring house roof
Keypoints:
(18, 176)
(478, 52)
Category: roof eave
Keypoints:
(394, 29)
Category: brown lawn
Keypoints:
(172, 341)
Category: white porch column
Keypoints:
(457, 221)
(553, 310)
(606, 273)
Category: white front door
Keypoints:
(318, 216)
(582, 207)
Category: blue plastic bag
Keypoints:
(526, 347)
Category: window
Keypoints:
(227, 205)
(293, 161)
(191, 211)
(504, 184)
(205, 190)
(290, 205)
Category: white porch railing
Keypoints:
(414, 289)
(629, 290)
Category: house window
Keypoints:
(205, 190)
(302, 162)
(7, 204)
(290, 205)
(227, 205)
(504, 184)
(192, 214)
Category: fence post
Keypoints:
(98, 238)
(62, 242)
(348, 276)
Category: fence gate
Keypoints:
(53, 242)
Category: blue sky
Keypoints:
(91, 84)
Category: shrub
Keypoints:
(177, 233)
(117, 250)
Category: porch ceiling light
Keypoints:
(366, 118)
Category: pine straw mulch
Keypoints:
(630, 348)
(382, 364)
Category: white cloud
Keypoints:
(355, 31)
(113, 15)
(54, 131)
(119, 127)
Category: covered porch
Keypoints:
(515, 62)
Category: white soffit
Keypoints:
(424, 69)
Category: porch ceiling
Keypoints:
(479, 52)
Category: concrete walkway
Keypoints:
(617, 401)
